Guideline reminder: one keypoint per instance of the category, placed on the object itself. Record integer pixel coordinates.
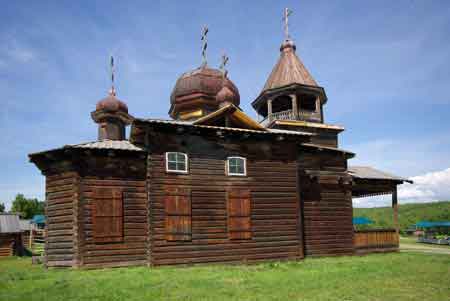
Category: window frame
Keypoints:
(236, 174)
(186, 171)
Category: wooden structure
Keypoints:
(10, 235)
(371, 182)
(211, 185)
(375, 240)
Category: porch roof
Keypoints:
(369, 181)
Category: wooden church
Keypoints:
(211, 184)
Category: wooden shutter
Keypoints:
(239, 214)
(107, 215)
(178, 214)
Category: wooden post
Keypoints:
(294, 106)
(269, 109)
(31, 239)
(319, 108)
(395, 208)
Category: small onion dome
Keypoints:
(111, 104)
(226, 95)
(203, 80)
(287, 44)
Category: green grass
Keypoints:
(408, 214)
(395, 276)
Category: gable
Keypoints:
(230, 116)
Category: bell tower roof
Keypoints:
(289, 69)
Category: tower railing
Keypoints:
(289, 115)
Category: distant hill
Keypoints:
(409, 214)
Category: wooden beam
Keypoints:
(395, 209)
(294, 106)
(269, 109)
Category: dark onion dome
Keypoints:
(202, 81)
(111, 104)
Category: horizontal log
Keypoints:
(278, 256)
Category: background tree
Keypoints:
(27, 208)
(2, 207)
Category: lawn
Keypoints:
(395, 276)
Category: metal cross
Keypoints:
(205, 44)
(287, 13)
(225, 59)
(111, 62)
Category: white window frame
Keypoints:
(177, 171)
(236, 174)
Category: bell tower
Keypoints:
(291, 98)
(290, 92)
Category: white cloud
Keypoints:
(12, 51)
(22, 55)
(433, 186)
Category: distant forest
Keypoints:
(408, 214)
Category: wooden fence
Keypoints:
(36, 241)
(375, 240)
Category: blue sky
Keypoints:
(384, 64)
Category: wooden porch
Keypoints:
(368, 181)
(375, 240)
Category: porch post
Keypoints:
(395, 208)
(269, 109)
(294, 106)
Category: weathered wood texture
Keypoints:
(103, 251)
(10, 243)
(327, 215)
(375, 239)
(275, 228)
(61, 197)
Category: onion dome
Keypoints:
(226, 95)
(196, 91)
(111, 115)
(112, 104)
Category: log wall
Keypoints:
(7, 242)
(328, 228)
(275, 226)
(61, 199)
(132, 250)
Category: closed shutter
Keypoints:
(178, 214)
(239, 214)
(107, 215)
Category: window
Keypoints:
(236, 166)
(239, 214)
(308, 103)
(176, 162)
(107, 215)
(178, 215)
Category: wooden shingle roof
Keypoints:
(289, 70)
(370, 173)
